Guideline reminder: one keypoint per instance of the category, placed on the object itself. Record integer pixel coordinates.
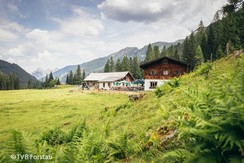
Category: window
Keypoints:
(152, 73)
(103, 85)
(153, 84)
(165, 72)
(177, 72)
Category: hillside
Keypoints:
(198, 117)
(98, 64)
(23, 76)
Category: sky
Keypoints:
(51, 34)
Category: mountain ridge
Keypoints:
(24, 76)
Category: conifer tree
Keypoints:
(176, 54)
(156, 52)
(83, 74)
(50, 76)
(77, 76)
(111, 65)
(149, 54)
(210, 43)
(136, 70)
(125, 64)
(107, 66)
(71, 78)
(118, 66)
(199, 55)
(163, 52)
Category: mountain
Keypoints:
(23, 76)
(98, 64)
(40, 73)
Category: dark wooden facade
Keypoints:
(164, 68)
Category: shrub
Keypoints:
(162, 90)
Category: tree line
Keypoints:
(76, 78)
(219, 39)
(50, 81)
(126, 64)
(9, 81)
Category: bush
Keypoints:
(162, 90)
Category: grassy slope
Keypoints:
(143, 118)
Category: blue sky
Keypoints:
(54, 33)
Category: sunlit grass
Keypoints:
(37, 110)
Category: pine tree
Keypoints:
(136, 71)
(163, 52)
(156, 52)
(125, 64)
(176, 54)
(185, 49)
(199, 55)
(111, 66)
(118, 66)
(191, 59)
(50, 76)
(58, 82)
(107, 66)
(67, 79)
(210, 43)
(71, 78)
(203, 44)
(84, 74)
(149, 54)
(46, 82)
(77, 76)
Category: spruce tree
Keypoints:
(71, 78)
(210, 43)
(77, 76)
(118, 67)
(156, 52)
(67, 79)
(149, 54)
(199, 55)
(176, 54)
(136, 71)
(125, 64)
(111, 65)
(50, 76)
(84, 74)
(107, 66)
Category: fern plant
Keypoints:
(214, 129)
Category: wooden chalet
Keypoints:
(107, 80)
(159, 71)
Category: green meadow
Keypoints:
(37, 110)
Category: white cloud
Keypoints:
(151, 11)
(6, 35)
(82, 24)
(38, 34)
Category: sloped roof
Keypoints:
(144, 65)
(107, 77)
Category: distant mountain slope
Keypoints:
(23, 76)
(98, 64)
(40, 73)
